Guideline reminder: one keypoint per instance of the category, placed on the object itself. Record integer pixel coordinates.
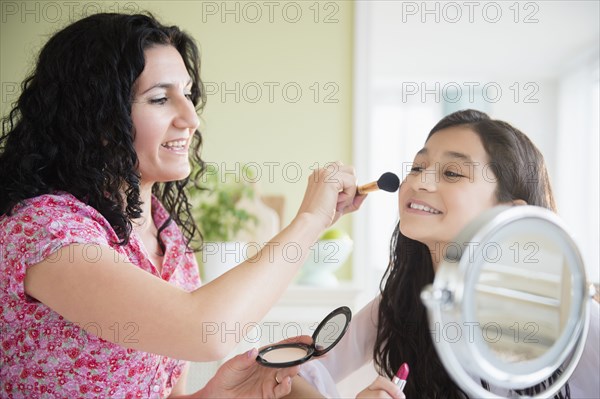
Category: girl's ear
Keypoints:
(519, 202)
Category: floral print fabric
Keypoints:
(44, 355)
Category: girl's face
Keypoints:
(450, 183)
(163, 116)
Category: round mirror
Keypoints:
(509, 303)
(326, 336)
(331, 330)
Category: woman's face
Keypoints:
(164, 117)
(449, 185)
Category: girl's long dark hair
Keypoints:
(71, 127)
(403, 331)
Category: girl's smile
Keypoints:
(448, 186)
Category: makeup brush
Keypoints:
(387, 182)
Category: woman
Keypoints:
(99, 279)
(469, 163)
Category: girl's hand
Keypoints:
(381, 388)
(331, 193)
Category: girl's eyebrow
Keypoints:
(164, 85)
(459, 155)
(449, 154)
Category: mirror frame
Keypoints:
(342, 310)
(450, 300)
(311, 350)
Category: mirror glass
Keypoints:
(327, 334)
(330, 332)
(522, 295)
(513, 286)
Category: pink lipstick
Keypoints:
(401, 376)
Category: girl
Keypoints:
(100, 290)
(469, 163)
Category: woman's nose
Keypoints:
(186, 117)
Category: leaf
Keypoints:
(215, 208)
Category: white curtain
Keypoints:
(577, 177)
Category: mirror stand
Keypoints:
(437, 299)
(515, 269)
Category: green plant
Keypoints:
(216, 205)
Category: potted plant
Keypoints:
(220, 218)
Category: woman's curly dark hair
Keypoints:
(71, 128)
(403, 333)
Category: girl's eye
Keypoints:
(159, 101)
(416, 169)
(449, 173)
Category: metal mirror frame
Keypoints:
(450, 299)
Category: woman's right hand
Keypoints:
(381, 388)
(331, 193)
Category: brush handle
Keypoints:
(367, 188)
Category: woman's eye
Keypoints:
(159, 101)
(416, 169)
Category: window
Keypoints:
(414, 65)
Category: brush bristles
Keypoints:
(388, 182)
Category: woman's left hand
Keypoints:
(243, 377)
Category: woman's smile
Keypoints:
(179, 147)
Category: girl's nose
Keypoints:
(427, 180)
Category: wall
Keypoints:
(278, 76)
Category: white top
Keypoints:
(355, 349)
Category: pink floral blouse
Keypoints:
(44, 355)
